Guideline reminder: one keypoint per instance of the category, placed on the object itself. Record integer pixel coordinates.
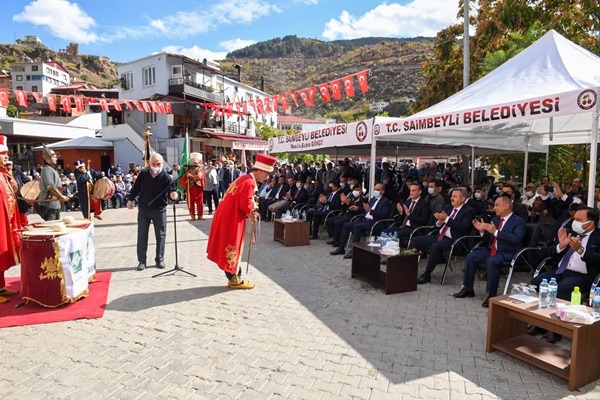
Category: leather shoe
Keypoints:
(337, 251)
(331, 241)
(335, 244)
(141, 266)
(535, 330)
(552, 337)
(161, 265)
(313, 237)
(424, 278)
(486, 302)
(464, 292)
(348, 255)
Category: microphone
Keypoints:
(191, 165)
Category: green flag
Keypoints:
(185, 159)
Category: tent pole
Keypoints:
(593, 156)
(373, 165)
(548, 150)
(466, 59)
(473, 167)
(527, 139)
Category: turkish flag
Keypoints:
(153, 106)
(79, 105)
(128, 104)
(294, 97)
(66, 103)
(238, 107)
(146, 107)
(275, 100)
(284, 102)
(51, 99)
(169, 108)
(304, 97)
(349, 85)
(116, 104)
(324, 90)
(161, 107)
(37, 96)
(138, 105)
(4, 98)
(312, 92)
(335, 89)
(103, 104)
(245, 107)
(267, 105)
(215, 108)
(21, 98)
(229, 109)
(361, 77)
(253, 105)
(259, 106)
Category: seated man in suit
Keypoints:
(352, 206)
(413, 213)
(329, 203)
(502, 238)
(300, 196)
(454, 221)
(579, 252)
(377, 208)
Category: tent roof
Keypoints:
(80, 143)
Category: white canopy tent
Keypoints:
(547, 94)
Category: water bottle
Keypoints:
(544, 289)
(287, 214)
(304, 215)
(592, 292)
(552, 292)
(596, 304)
(576, 296)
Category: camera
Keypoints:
(549, 188)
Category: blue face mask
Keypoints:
(376, 194)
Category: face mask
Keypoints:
(156, 170)
(578, 227)
(430, 190)
(351, 186)
(498, 190)
(355, 193)
(376, 194)
(529, 194)
(298, 185)
(342, 185)
(385, 181)
(477, 196)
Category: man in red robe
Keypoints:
(193, 182)
(228, 229)
(10, 243)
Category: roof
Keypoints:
(232, 137)
(80, 143)
(292, 118)
(56, 65)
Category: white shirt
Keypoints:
(447, 233)
(575, 262)
(369, 216)
(415, 201)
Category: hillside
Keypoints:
(97, 70)
(293, 63)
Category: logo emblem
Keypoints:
(587, 99)
(271, 144)
(361, 131)
(376, 130)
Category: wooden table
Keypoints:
(295, 233)
(507, 327)
(401, 275)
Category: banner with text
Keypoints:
(250, 146)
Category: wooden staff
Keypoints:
(252, 239)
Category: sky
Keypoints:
(132, 29)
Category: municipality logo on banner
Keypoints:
(77, 260)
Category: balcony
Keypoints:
(190, 88)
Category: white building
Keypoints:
(38, 76)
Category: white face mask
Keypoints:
(156, 170)
(529, 194)
(430, 190)
(298, 185)
(355, 193)
(498, 190)
(477, 196)
(342, 185)
(578, 227)
(351, 186)
(376, 194)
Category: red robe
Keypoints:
(195, 192)
(228, 228)
(10, 243)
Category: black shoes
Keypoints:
(337, 251)
(552, 337)
(313, 237)
(141, 266)
(335, 244)
(331, 241)
(464, 292)
(535, 330)
(161, 265)
(425, 278)
(348, 255)
(486, 302)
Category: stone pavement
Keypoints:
(307, 331)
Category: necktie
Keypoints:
(412, 207)
(564, 263)
(410, 210)
(328, 201)
(493, 249)
(445, 228)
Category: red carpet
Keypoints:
(31, 314)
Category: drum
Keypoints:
(104, 189)
(30, 191)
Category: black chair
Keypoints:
(460, 248)
(329, 214)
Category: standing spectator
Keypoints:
(211, 188)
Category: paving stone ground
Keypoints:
(307, 331)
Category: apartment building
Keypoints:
(38, 76)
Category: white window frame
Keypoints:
(19, 78)
(149, 76)
(128, 76)
(34, 68)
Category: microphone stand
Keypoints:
(176, 268)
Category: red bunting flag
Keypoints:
(312, 92)
(4, 98)
(138, 105)
(294, 97)
(161, 107)
(153, 107)
(146, 107)
(253, 105)
(116, 104)
(21, 97)
(267, 102)
(349, 85)
(324, 90)
(169, 108)
(260, 106)
(37, 96)
(238, 107)
(284, 102)
(103, 104)
(66, 103)
(229, 109)
(79, 104)
(245, 107)
(51, 99)
(275, 100)
(336, 89)
(304, 97)
(361, 77)
(128, 105)
(215, 108)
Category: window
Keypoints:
(28, 77)
(127, 81)
(149, 76)
(176, 71)
(34, 67)
(19, 77)
(150, 118)
(19, 69)
(19, 87)
(34, 89)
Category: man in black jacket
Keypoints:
(352, 206)
(412, 213)
(329, 203)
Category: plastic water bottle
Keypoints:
(304, 215)
(596, 304)
(592, 293)
(552, 292)
(544, 289)
(287, 214)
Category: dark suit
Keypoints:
(378, 211)
(459, 226)
(419, 216)
(335, 224)
(508, 241)
(334, 202)
(569, 279)
(299, 197)
(230, 175)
